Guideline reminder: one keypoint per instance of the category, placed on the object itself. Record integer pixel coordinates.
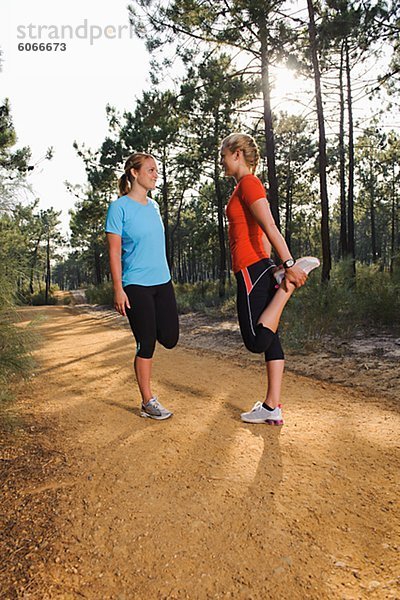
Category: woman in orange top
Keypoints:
(262, 289)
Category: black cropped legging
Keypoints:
(256, 286)
(153, 316)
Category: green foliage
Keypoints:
(39, 299)
(228, 307)
(74, 271)
(87, 232)
(101, 294)
(377, 298)
(15, 341)
(15, 358)
(13, 163)
(201, 296)
(28, 238)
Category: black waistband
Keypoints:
(258, 268)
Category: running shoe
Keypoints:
(259, 414)
(307, 263)
(155, 410)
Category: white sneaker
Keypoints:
(259, 414)
(307, 263)
(155, 410)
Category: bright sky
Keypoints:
(58, 97)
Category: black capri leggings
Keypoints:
(153, 316)
(256, 286)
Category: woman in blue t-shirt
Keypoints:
(142, 282)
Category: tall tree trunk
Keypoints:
(220, 215)
(194, 266)
(176, 229)
(393, 221)
(351, 247)
(373, 225)
(33, 264)
(97, 265)
(342, 168)
(273, 197)
(221, 241)
(325, 237)
(185, 277)
(165, 209)
(48, 273)
(181, 276)
(288, 207)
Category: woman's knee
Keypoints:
(275, 351)
(252, 346)
(145, 348)
(169, 341)
(254, 350)
(261, 341)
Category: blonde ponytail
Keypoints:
(247, 144)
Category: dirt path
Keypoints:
(201, 506)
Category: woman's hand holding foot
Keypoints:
(296, 276)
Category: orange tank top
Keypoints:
(245, 235)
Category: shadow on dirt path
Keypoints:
(202, 505)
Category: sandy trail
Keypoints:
(203, 506)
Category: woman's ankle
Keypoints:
(272, 404)
(287, 287)
(146, 398)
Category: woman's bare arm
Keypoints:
(262, 214)
(114, 250)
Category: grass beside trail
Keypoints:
(16, 344)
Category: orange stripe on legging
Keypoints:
(247, 280)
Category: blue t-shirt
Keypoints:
(144, 261)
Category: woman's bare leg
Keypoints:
(275, 370)
(143, 375)
(270, 317)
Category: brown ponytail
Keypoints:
(135, 161)
(124, 185)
